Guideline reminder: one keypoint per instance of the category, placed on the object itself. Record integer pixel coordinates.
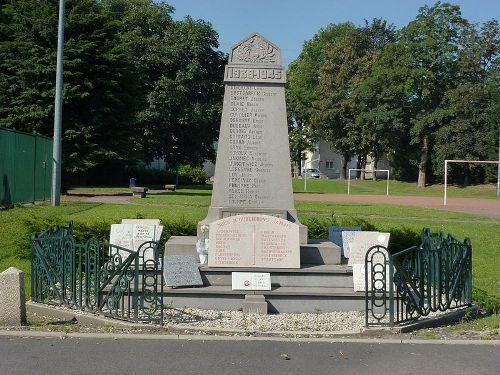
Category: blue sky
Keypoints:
(288, 23)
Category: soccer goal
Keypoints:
(466, 161)
(366, 170)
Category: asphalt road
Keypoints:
(24, 355)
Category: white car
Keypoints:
(312, 173)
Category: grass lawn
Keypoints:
(191, 205)
(395, 188)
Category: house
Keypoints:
(329, 162)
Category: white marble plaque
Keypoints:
(362, 242)
(335, 234)
(254, 241)
(132, 236)
(358, 275)
(251, 281)
(347, 238)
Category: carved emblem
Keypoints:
(255, 50)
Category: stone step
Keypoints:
(306, 276)
(316, 251)
(280, 299)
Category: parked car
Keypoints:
(312, 173)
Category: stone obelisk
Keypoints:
(253, 170)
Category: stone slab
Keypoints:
(319, 251)
(363, 241)
(254, 241)
(250, 281)
(131, 236)
(347, 238)
(181, 270)
(12, 298)
(335, 235)
(254, 304)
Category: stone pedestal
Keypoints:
(12, 298)
(255, 304)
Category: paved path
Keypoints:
(40, 355)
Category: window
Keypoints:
(329, 164)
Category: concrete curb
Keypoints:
(171, 332)
(114, 336)
(429, 322)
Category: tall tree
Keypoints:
(470, 130)
(98, 93)
(335, 110)
(182, 115)
(302, 79)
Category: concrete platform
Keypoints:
(279, 299)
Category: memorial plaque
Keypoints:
(347, 238)
(358, 275)
(335, 235)
(254, 241)
(122, 235)
(181, 270)
(251, 281)
(252, 170)
(131, 236)
(363, 241)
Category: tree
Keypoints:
(336, 110)
(182, 116)
(470, 129)
(98, 93)
(427, 53)
(302, 79)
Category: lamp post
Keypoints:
(498, 168)
(56, 146)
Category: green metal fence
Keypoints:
(97, 277)
(402, 287)
(25, 167)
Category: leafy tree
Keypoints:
(424, 66)
(470, 130)
(98, 101)
(181, 74)
(302, 79)
(182, 116)
(336, 110)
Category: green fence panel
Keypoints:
(43, 168)
(25, 167)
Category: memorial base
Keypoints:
(314, 251)
(321, 284)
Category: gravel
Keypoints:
(328, 321)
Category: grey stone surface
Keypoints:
(254, 304)
(252, 170)
(181, 270)
(319, 251)
(12, 298)
(335, 235)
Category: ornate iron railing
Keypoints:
(97, 277)
(402, 287)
